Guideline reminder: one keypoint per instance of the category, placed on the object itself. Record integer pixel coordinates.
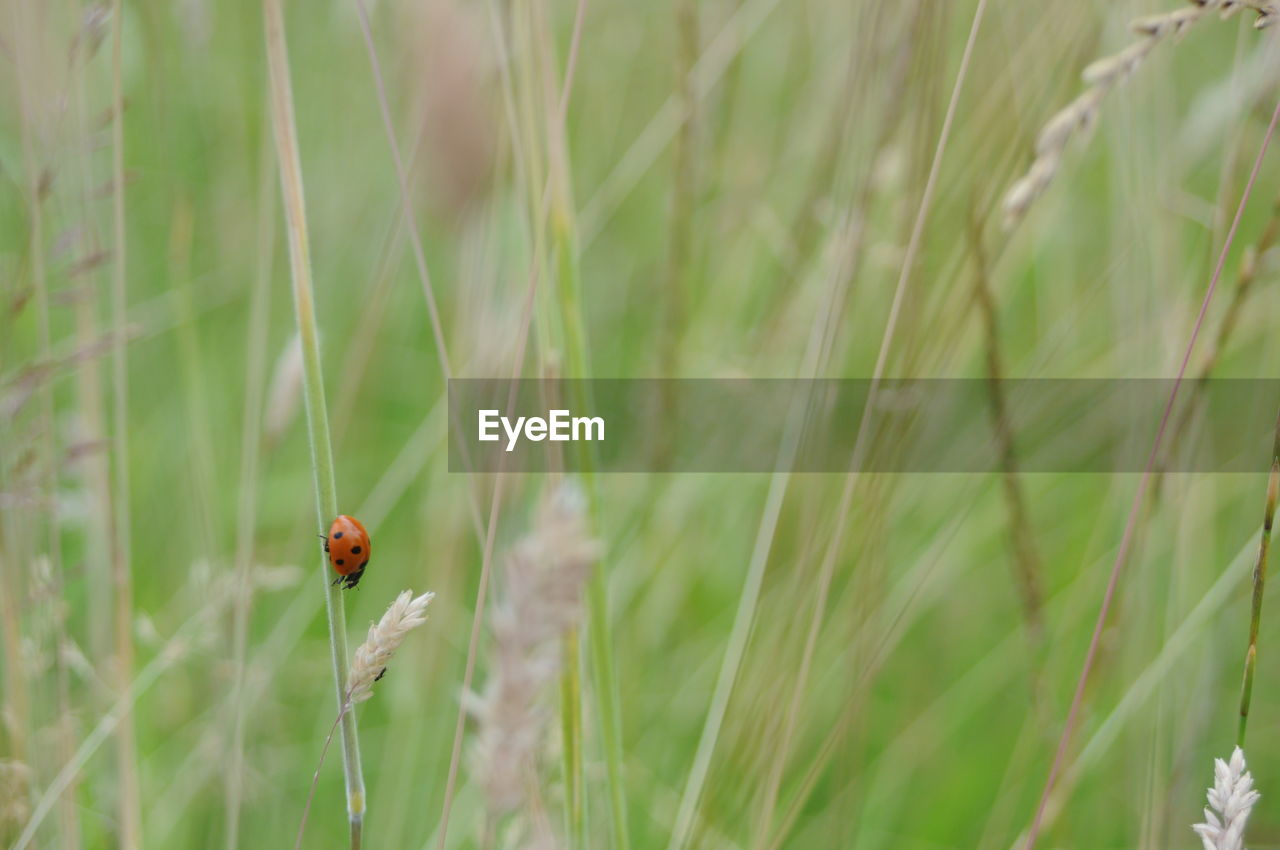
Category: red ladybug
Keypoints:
(348, 546)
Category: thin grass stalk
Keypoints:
(571, 734)
(485, 537)
(682, 209)
(683, 193)
(834, 544)
(805, 237)
(315, 776)
(845, 505)
(542, 176)
(130, 812)
(840, 256)
(486, 561)
(1126, 539)
(727, 95)
(564, 243)
(537, 65)
(196, 771)
(171, 653)
(571, 704)
(1134, 703)
(1027, 566)
(16, 704)
(537, 179)
(630, 168)
(805, 229)
(571, 729)
(419, 255)
(91, 407)
(367, 667)
(69, 822)
(282, 119)
(1246, 277)
(608, 700)
(250, 440)
(190, 362)
(1259, 584)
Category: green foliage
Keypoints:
(929, 716)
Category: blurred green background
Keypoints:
(742, 179)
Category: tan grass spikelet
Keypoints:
(406, 613)
(1101, 77)
(543, 576)
(15, 784)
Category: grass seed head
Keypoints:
(406, 613)
(542, 576)
(1230, 800)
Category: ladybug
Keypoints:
(348, 546)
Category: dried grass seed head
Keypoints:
(1230, 800)
(540, 598)
(406, 613)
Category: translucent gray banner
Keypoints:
(759, 425)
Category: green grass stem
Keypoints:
(1259, 585)
(282, 118)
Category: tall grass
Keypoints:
(716, 190)
(49, 452)
(1140, 495)
(1259, 586)
(290, 165)
(130, 817)
(246, 513)
(1101, 77)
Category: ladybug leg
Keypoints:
(337, 580)
(381, 674)
(353, 579)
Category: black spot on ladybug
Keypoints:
(340, 562)
(355, 550)
(337, 534)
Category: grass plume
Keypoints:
(405, 614)
(1100, 78)
(543, 578)
(1231, 799)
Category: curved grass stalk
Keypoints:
(68, 814)
(1126, 539)
(1259, 584)
(255, 378)
(568, 292)
(313, 384)
(121, 552)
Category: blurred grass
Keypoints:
(920, 726)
